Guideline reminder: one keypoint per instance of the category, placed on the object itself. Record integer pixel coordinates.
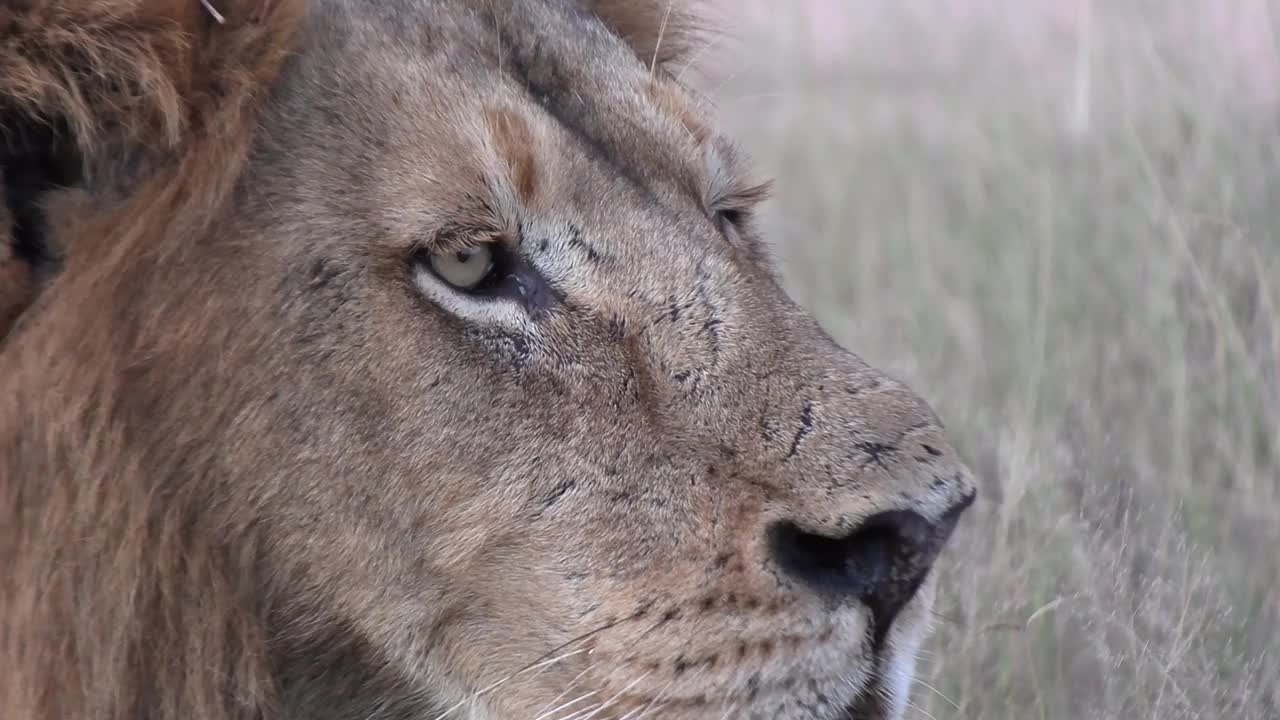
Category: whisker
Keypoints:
(573, 682)
(578, 714)
(498, 683)
(655, 708)
(920, 710)
(563, 706)
(643, 710)
(662, 31)
(618, 695)
(938, 692)
(213, 12)
(542, 661)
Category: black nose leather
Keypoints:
(881, 563)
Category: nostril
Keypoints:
(881, 563)
(883, 549)
(848, 566)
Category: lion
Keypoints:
(422, 359)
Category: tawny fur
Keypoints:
(129, 613)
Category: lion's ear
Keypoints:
(93, 92)
(660, 31)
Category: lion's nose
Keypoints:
(881, 563)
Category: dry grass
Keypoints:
(1064, 230)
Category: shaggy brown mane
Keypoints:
(118, 602)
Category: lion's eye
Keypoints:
(465, 269)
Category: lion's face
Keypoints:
(525, 423)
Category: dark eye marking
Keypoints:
(577, 242)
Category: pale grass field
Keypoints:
(1061, 224)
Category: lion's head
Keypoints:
(420, 359)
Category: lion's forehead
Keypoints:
(402, 98)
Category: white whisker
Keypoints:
(577, 714)
(655, 708)
(662, 31)
(938, 692)
(499, 683)
(217, 16)
(618, 695)
(572, 683)
(642, 710)
(920, 710)
(564, 706)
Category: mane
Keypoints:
(660, 31)
(119, 599)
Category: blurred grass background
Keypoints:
(1060, 222)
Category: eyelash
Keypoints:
(734, 207)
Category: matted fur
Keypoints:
(256, 462)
